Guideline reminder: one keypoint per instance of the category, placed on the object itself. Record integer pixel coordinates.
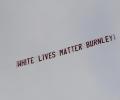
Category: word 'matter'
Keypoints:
(70, 49)
(65, 51)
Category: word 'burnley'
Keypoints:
(101, 40)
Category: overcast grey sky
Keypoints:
(32, 27)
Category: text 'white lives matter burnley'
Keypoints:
(66, 51)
